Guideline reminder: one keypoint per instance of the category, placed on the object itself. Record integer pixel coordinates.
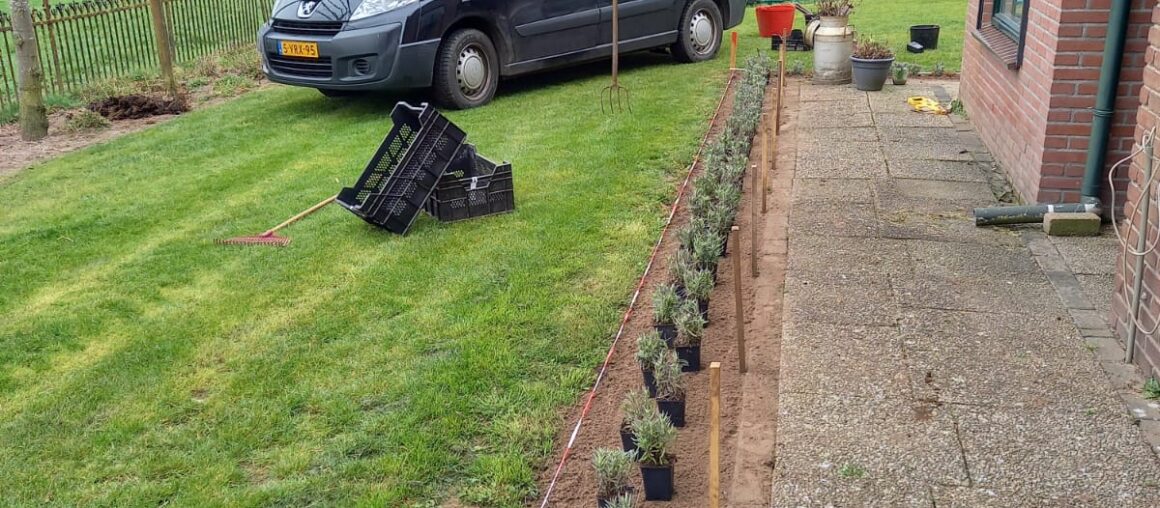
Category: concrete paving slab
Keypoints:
(863, 361)
(1096, 456)
(952, 171)
(1098, 289)
(848, 300)
(846, 133)
(826, 218)
(795, 492)
(927, 151)
(1002, 496)
(910, 442)
(1090, 255)
(984, 278)
(833, 190)
(853, 120)
(822, 255)
(813, 109)
(902, 193)
(846, 93)
(841, 149)
(912, 120)
(863, 168)
(889, 134)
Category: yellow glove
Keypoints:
(926, 105)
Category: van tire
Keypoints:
(466, 70)
(699, 33)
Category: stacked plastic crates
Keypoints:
(425, 163)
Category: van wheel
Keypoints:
(466, 70)
(699, 34)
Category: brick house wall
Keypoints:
(1147, 346)
(1036, 120)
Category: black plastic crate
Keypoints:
(475, 190)
(404, 171)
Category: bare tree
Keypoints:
(33, 116)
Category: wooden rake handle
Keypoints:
(300, 216)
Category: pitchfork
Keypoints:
(615, 98)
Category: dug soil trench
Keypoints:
(749, 401)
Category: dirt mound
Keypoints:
(126, 107)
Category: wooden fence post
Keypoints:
(50, 27)
(764, 160)
(733, 51)
(714, 435)
(733, 238)
(164, 49)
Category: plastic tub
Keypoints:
(775, 19)
(927, 35)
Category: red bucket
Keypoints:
(774, 19)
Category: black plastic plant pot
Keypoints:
(674, 409)
(692, 357)
(680, 290)
(658, 482)
(668, 332)
(627, 442)
(650, 381)
(927, 35)
(703, 306)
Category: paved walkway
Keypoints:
(927, 362)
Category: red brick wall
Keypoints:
(1036, 120)
(1147, 346)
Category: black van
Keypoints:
(461, 48)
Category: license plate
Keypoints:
(299, 49)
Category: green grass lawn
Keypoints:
(142, 364)
(890, 21)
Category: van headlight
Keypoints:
(372, 7)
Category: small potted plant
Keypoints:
(613, 474)
(626, 500)
(670, 387)
(654, 437)
(698, 287)
(706, 250)
(690, 331)
(636, 405)
(679, 264)
(648, 348)
(665, 302)
(871, 64)
(900, 73)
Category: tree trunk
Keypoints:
(33, 116)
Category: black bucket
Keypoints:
(927, 35)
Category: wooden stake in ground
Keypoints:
(733, 51)
(780, 86)
(735, 240)
(764, 160)
(33, 115)
(714, 434)
(164, 50)
(754, 188)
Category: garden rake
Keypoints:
(615, 98)
(270, 237)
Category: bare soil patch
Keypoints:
(762, 296)
(130, 107)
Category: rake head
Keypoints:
(262, 239)
(615, 99)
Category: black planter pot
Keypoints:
(650, 381)
(725, 246)
(627, 443)
(668, 332)
(927, 35)
(658, 482)
(680, 289)
(691, 355)
(604, 502)
(703, 306)
(674, 409)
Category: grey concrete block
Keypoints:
(1071, 224)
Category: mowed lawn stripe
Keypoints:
(140, 363)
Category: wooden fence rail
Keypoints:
(87, 42)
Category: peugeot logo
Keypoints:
(306, 8)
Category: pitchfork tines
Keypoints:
(615, 98)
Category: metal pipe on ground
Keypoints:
(998, 215)
(1141, 244)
